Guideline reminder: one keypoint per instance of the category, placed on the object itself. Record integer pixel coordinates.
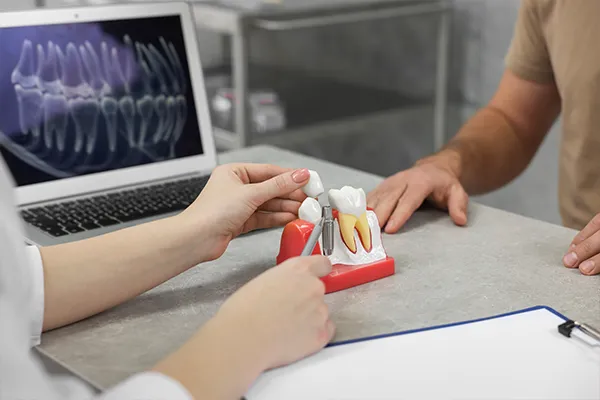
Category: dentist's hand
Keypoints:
(399, 196)
(239, 198)
(584, 252)
(282, 313)
(275, 319)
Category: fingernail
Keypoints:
(300, 175)
(390, 226)
(587, 266)
(570, 259)
(572, 247)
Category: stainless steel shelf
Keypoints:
(238, 23)
(228, 140)
(311, 100)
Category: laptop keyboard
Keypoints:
(113, 208)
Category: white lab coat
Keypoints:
(22, 376)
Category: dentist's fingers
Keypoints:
(278, 186)
(268, 220)
(296, 195)
(281, 205)
(319, 266)
(328, 332)
(256, 173)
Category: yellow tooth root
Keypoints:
(362, 225)
(347, 223)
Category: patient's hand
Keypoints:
(584, 252)
(239, 198)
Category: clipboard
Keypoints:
(516, 355)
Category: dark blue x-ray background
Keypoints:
(144, 30)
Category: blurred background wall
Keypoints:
(399, 54)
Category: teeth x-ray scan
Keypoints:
(90, 97)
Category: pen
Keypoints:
(589, 330)
(566, 329)
(313, 239)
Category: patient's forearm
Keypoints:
(86, 277)
(487, 153)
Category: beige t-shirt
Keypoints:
(559, 41)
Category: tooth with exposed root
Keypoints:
(56, 119)
(30, 112)
(356, 234)
(24, 72)
(160, 107)
(145, 109)
(74, 85)
(351, 204)
(362, 226)
(47, 72)
(110, 107)
(180, 121)
(170, 121)
(178, 68)
(127, 108)
(155, 65)
(93, 66)
(113, 72)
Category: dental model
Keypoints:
(358, 254)
(90, 107)
(314, 186)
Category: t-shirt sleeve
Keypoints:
(528, 55)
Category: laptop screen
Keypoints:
(89, 97)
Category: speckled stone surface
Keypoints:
(501, 262)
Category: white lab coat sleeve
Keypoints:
(148, 386)
(22, 375)
(36, 274)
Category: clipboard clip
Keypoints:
(566, 329)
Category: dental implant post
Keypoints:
(327, 237)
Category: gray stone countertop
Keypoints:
(499, 263)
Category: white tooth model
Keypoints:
(358, 254)
(310, 211)
(357, 236)
(131, 93)
(314, 186)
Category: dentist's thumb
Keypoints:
(280, 185)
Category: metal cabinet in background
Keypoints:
(237, 20)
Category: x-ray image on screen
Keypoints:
(89, 97)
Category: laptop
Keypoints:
(104, 121)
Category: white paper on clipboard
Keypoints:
(516, 356)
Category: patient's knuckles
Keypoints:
(587, 248)
(595, 222)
